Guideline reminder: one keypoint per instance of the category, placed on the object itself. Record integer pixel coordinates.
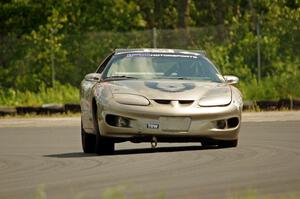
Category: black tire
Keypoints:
(88, 141)
(208, 143)
(227, 143)
(104, 145)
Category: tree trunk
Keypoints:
(158, 14)
(220, 19)
(183, 13)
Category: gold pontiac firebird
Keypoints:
(158, 95)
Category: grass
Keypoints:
(119, 192)
(255, 195)
(40, 192)
(271, 88)
(61, 94)
(32, 115)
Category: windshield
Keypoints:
(161, 66)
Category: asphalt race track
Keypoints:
(267, 161)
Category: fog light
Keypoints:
(221, 124)
(122, 122)
(118, 121)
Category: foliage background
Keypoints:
(73, 36)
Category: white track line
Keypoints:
(271, 116)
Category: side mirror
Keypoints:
(230, 79)
(93, 77)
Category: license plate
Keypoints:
(153, 125)
(175, 123)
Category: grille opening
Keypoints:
(163, 101)
(233, 122)
(186, 101)
(183, 102)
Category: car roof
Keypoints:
(159, 50)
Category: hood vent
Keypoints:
(163, 101)
(181, 102)
(186, 101)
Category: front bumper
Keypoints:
(173, 122)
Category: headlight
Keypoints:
(130, 99)
(214, 101)
(220, 96)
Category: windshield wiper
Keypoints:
(118, 77)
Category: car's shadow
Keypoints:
(132, 151)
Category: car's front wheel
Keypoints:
(88, 141)
(103, 144)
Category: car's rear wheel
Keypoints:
(227, 143)
(88, 141)
(103, 144)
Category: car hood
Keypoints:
(208, 93)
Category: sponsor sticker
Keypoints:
(160, 55)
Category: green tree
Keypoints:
(46, 53)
